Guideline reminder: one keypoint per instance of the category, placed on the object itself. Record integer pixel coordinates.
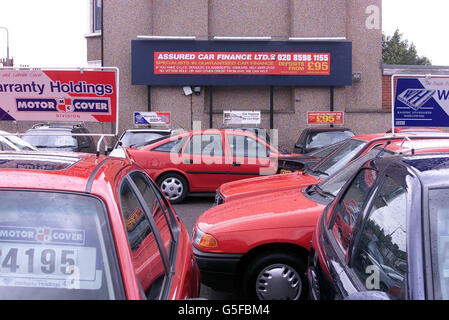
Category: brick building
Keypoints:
(116, 24)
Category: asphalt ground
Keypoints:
(188, 212)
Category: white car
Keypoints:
(9, 142)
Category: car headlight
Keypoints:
(204, 240)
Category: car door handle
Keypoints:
(188, 161)
(236, 164)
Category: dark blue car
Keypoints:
(386, 234)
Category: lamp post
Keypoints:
(7, 43)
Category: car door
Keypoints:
(248, 157)
(379, 257)
(203, 161)
(345, 214)
(151, 234)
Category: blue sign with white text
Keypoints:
(422, 102)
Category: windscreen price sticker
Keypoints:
(43, 266)
(325, 118)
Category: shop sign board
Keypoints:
(241, 117)
(58, 95)
(421, 102)
(242, 63)
(151, 117)
(320, 118)
(232, 63)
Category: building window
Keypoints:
(96, 15)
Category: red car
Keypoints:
(78, 226)
(260, 243)
(349, 150)
(200, 161)
(414, 130)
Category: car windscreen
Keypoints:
(137, 138)
(53, 141)
(56, 246)
(439, 226)
(322, 139)
(338, 159)
(333, 184)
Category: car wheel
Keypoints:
(174, 186)
(276, 276)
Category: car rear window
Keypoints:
(56, 246)
(137, 138)
(56, 140)
(322, 139)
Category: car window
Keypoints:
(137, 138)
(56, 245)
(174, 146)
(350, 206)
(156, 209)
(244, 146)
(142, 242)
(338, 159)
(439, 226)
(205, 144)
(381, 257)
(54, 141)
(334, 183)
(322, 139)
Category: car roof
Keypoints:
(62, 171)
(373, 136)
(432, 168)
(324, 129)
(149, 130)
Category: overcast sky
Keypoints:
(50, 33)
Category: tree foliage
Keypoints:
(396, 50)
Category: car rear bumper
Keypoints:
(217, 270)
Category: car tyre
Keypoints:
(276, 276)
(174, 186)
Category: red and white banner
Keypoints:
(242, 63)
(325, 117)
(58, 95)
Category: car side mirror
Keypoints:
(370, 295)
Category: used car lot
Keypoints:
(263, 280)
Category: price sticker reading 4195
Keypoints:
(48, 266)
(325, 118)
